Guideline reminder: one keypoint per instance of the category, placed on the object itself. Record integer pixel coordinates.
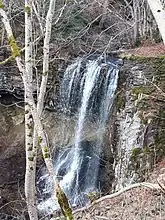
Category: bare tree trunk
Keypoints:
(45, 73)
(159, 15)
(32, 110)
(30, 155)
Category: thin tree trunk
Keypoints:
(30, 155)
(48, 28)
(31, 108)
(159, 15)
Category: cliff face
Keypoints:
(140, 122)
(135, 141)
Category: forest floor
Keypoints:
(141, 203)
(149, 50)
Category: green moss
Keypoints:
(120, 101)
(141, 59)
(147, 150)
(159, 68)
(40, 140)
(46, 152)
(63, 202)
(46, 155)
(160, 137)
(139, 161)
(93, 196)
(28, 10)
(1, 4)
(135, 152)
(30, 158)
(142, 90)
(144, 105)
(14, 48)
(46, 149)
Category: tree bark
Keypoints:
(48, 27)
(159, 15)
(30, 191)
(34, 112)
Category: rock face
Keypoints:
(10, 79)
(12, 156)
(134, 140)
(139, 142)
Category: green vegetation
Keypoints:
(63, 202)
(46, 149)
(14, 48)
(142, 90)
(28, 10)
(120, 101)
(160, 137)
(135, 153)
(30, 158)
(1, 4)
(93, 196)
(142, 59)
(46, 155)
(39, 140)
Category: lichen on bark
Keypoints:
(30, 158)
(14, 47)
(46, 155)
(28, 10)
(63, 202)
(1, 4)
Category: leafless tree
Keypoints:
(157, 8)
(34, 131)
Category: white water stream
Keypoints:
(88, 91)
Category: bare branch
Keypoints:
(116, 194)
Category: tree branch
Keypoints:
(116, 194)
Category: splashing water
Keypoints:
(87, 91)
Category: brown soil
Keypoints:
(155, 50)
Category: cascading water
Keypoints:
(87, 94)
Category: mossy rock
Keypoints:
(135, 152)
(120, 101)
(142, 90)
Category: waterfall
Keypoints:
(86, 94)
